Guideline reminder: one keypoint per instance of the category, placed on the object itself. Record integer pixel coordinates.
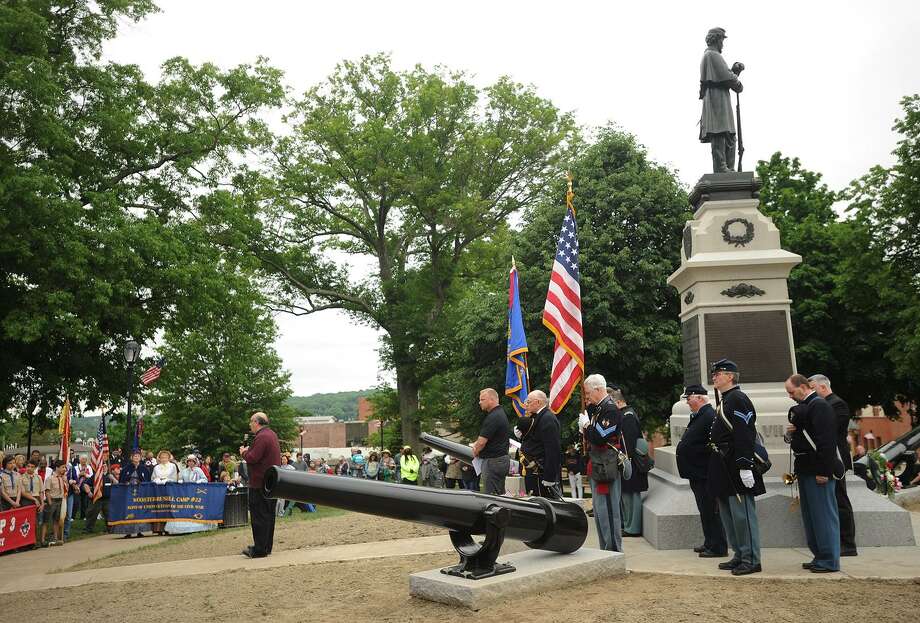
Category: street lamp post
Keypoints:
(132, 350)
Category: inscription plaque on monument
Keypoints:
(690, 338)
(758, 341)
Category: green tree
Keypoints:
(220, 369)
(630, 214)
(400, 172)
(886, 203)
(838, 327)
(98, 168)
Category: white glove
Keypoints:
(547, 483)
(517, 432)
(747, 478)
(583, 421)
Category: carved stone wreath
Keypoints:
(743, 290)
(739, 240)
(688, 297)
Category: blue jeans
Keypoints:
(69, 520)
(740, 522)
(607, 516)
(822, 521)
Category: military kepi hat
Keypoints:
(697, 390)
(717, 31)
(726, 365)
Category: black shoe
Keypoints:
(808, 565)
(744, 569)
(631, 534)
(709, 554)
(849, 552)
(816, 569)
(729, 565)
(249, 552)
(699, 549)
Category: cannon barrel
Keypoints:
(456, 450)
(541, 524)
(908, 442)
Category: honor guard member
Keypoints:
(731, 477)
(814, 445)
(633, 486)
(693, 453)
(541, 448)
(602, 431)
(822, 386)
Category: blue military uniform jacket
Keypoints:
(693, 451)
(734, 447)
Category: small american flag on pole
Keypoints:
(98, 459)
(562, 312)
(153, 372)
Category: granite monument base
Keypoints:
(670, 518)
(536, 571)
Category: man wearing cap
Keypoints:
(693, 452)
(717, 123)
(731, 477)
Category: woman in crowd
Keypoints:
(84, 475)
(282, 506)
(190, 473)
(468, 477)
(408, 466)
(372, 470)
(164, 471)
(388, 465)
(133, 473)
(206, 467)
(342, 468)
(454, 475)
(322, 467)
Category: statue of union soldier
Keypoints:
(717, 124)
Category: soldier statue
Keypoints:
(717, 124)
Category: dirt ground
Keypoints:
(338, 529)
(378, 591)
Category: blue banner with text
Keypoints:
(148, 502)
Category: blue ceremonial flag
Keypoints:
(517, 382)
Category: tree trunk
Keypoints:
(407, 393)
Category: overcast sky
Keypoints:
(822, 82)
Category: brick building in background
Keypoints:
(327, 432)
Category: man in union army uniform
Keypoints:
(732, 479)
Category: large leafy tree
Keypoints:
(839, 326)
(630, 214)
(399, 172)
(886, 204)
(221, 368)
(98, 167)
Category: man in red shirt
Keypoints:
(264, 452)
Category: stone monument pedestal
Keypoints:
(735, 305)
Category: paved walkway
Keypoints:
(32, 570)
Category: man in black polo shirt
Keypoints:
(492, 444)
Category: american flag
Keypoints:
(153, 372)
(562, 312)
(98, 459)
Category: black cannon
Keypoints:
(456, 450)
(541, 524)
(900, 453)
